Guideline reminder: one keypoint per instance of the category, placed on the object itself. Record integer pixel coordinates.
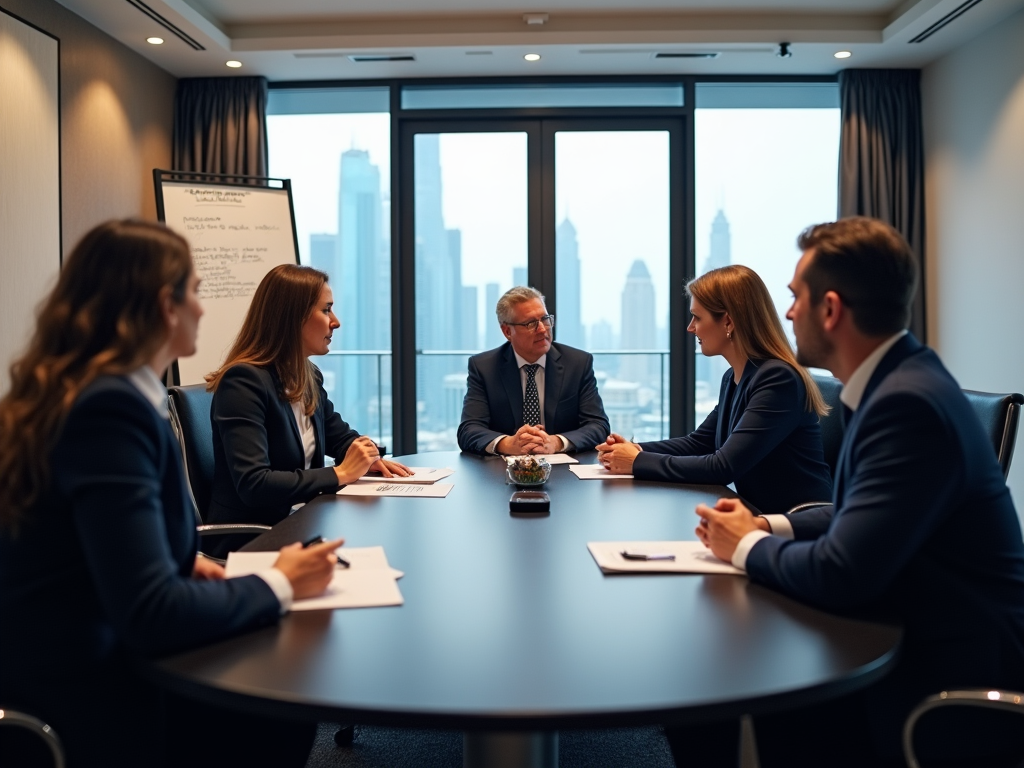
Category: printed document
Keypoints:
(420, 475)
(690, 557)
(595, 472)
(389, 488)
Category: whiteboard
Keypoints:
(238, 233)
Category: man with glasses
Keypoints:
(530, 395)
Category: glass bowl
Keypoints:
(527, 471)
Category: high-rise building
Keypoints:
(569, 329)
(720, 254)
(470, 331)
(493, 336)
(519, 276)
(362, 269)
(639, 330)
(323, 253)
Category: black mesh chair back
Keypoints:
(190, 417)
(998, 415)
(30, 724)
(832, 426)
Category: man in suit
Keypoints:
(922, 530)
(530, 395)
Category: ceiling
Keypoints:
(315, 39)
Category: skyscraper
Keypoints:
(470, 330)
(639, 330)
(323, 253)
(709, 370)
(362, 267)
(569, 329)
(720, 253)
(519, 276)
(492, 331)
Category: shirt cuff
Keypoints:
(281, 587)
(780, 526)
(739, 557)
(566, 445)
(492, 447)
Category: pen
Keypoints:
(315, 540)
(342, 562)
(640, 556)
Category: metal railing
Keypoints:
(616, 392)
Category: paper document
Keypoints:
(420, 475)
(595, 472)
(369, 582)
(388, 488)
(552, 458)
(691, 557)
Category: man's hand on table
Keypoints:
(616, 454)
(722, 526)
(529, 439)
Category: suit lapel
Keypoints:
(900, 351)
(513, 384)
(318, 433)
(554, 375)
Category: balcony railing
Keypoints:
(633, 384)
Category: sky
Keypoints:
(772, 172)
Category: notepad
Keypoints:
(691, 557)
(595, 472)
(419, 476)
(369, 582)
(388, 488)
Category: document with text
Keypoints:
(367, 583)
(388, 488)
(658, 557)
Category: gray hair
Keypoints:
(514, 296)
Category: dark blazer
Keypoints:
(258, 472)
(769, 446)
(923, 532)
(494, 398)
(100, 572)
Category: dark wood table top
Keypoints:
(509, 624)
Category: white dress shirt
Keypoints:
(853, 392)
(305, 425)
(539, 378)
(150, 387)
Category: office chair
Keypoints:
(35, 725)
(833, 427)
(1006, 701)
(999, 415)
(190, 418)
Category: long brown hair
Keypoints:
(271, 335)
(738, 290)
(103, 317)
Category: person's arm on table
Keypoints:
(593, 421)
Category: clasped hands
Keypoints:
(721, 527)
(616, 454)
(529, 439)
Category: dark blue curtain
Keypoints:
(220, 125)
(881, 157)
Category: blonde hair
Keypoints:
(738, 291)
(271, 335)
(103, 317)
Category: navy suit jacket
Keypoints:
(494, 398)
(100, 571)
(259, 461)
(923, 532)
(770, 446)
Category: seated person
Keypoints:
(98, 564)
(923, 531)
(764, 434)
(530, 395)
(272, 419)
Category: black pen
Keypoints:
(640, 556)
(342, 562)
(315, 540)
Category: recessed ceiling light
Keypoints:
(532, 57)
(842, 54)
(233, 64)
(155, 40)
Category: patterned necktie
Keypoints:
(531, 400)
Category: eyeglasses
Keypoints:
(531, 326)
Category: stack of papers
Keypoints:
(390, 488)
(690, 557)
(596, 472)
(368, 583)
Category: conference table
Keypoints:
(509, 631)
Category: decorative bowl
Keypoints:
(527, 471)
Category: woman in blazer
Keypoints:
(98, 542)
(272, 419)
(763, 435)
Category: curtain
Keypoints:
(881, 158)
(220, 125)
